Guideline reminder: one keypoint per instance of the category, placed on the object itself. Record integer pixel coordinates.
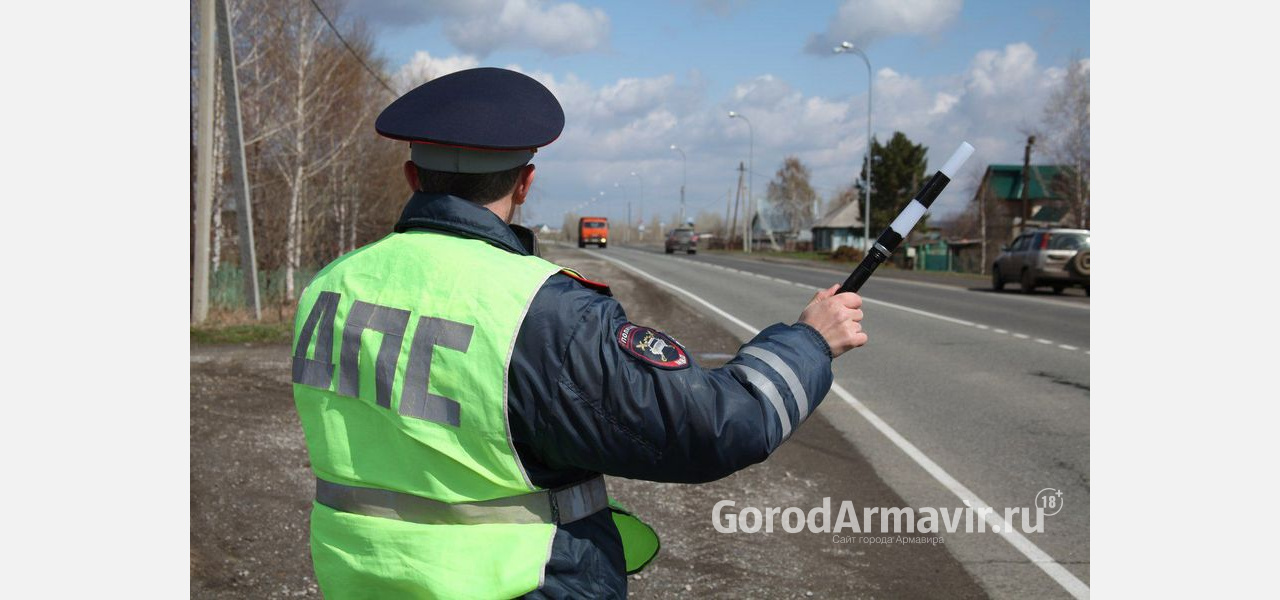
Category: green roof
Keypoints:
(1005, 181)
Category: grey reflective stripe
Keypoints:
(415, 400)
(317, 372)
(579, 500)
(766, 387)
(788, 375)
(391, 322)
(559, 506)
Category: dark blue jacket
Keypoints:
(584, 399)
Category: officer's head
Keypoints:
(473, 133)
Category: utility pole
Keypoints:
(641, 180)
(1026, 182)
(682, 205)
(737, 200)
(235, 138)
(751, 175)
(684, 178)
(725, 229)
(204, 166)
(982, 220)
(747, 205)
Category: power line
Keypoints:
(352, 50)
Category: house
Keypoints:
(1004, 185)
(930, 250)
(840, 227)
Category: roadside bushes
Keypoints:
(846, 254)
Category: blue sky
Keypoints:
(635, 77)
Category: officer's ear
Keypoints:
(523, 184)
(411, 175)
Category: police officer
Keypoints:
(462, 397)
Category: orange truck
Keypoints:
(593, 230)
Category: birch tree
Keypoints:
(308, 141)
(791, 193)
(1066, 125)
(322, 181)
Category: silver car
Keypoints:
(1057, 258)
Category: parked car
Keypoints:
(593, 230)
(1057, 258)
(682, 239)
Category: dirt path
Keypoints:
(251, 487)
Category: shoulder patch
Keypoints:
(652, 346)
(594, 285)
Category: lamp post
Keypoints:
(637, 176)
(866, 216)
(684, 178)
(751, 200)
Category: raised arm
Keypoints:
(592, 391)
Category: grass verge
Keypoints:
(238, 327)
(242, 333)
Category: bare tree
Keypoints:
(708, 221)
(844, 195)
(792, 194)
(311, 98)
(323, 182)
(1066, 127)
(569, 226)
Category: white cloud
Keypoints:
(942, 103)
(478, 27)
(629, 124)
(865, 21)
(423, 68)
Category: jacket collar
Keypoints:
(453, 215)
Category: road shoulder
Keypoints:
(816, 462)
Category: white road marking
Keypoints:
(1038, 557)
(952, 288)
(924, 313)
(1069, 582)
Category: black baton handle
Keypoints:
(863, 271)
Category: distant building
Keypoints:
(1004, 185)
(840, 227)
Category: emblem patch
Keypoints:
(652, 346)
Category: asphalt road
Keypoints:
(251, 489)
(960, 396)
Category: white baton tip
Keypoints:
(957, 159)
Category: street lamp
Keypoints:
(637, 176)
(751, 201)
(684, 178)
(845, 47)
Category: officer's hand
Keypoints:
(837, 317)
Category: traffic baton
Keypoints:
(901, 226)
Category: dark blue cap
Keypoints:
(494, 111)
